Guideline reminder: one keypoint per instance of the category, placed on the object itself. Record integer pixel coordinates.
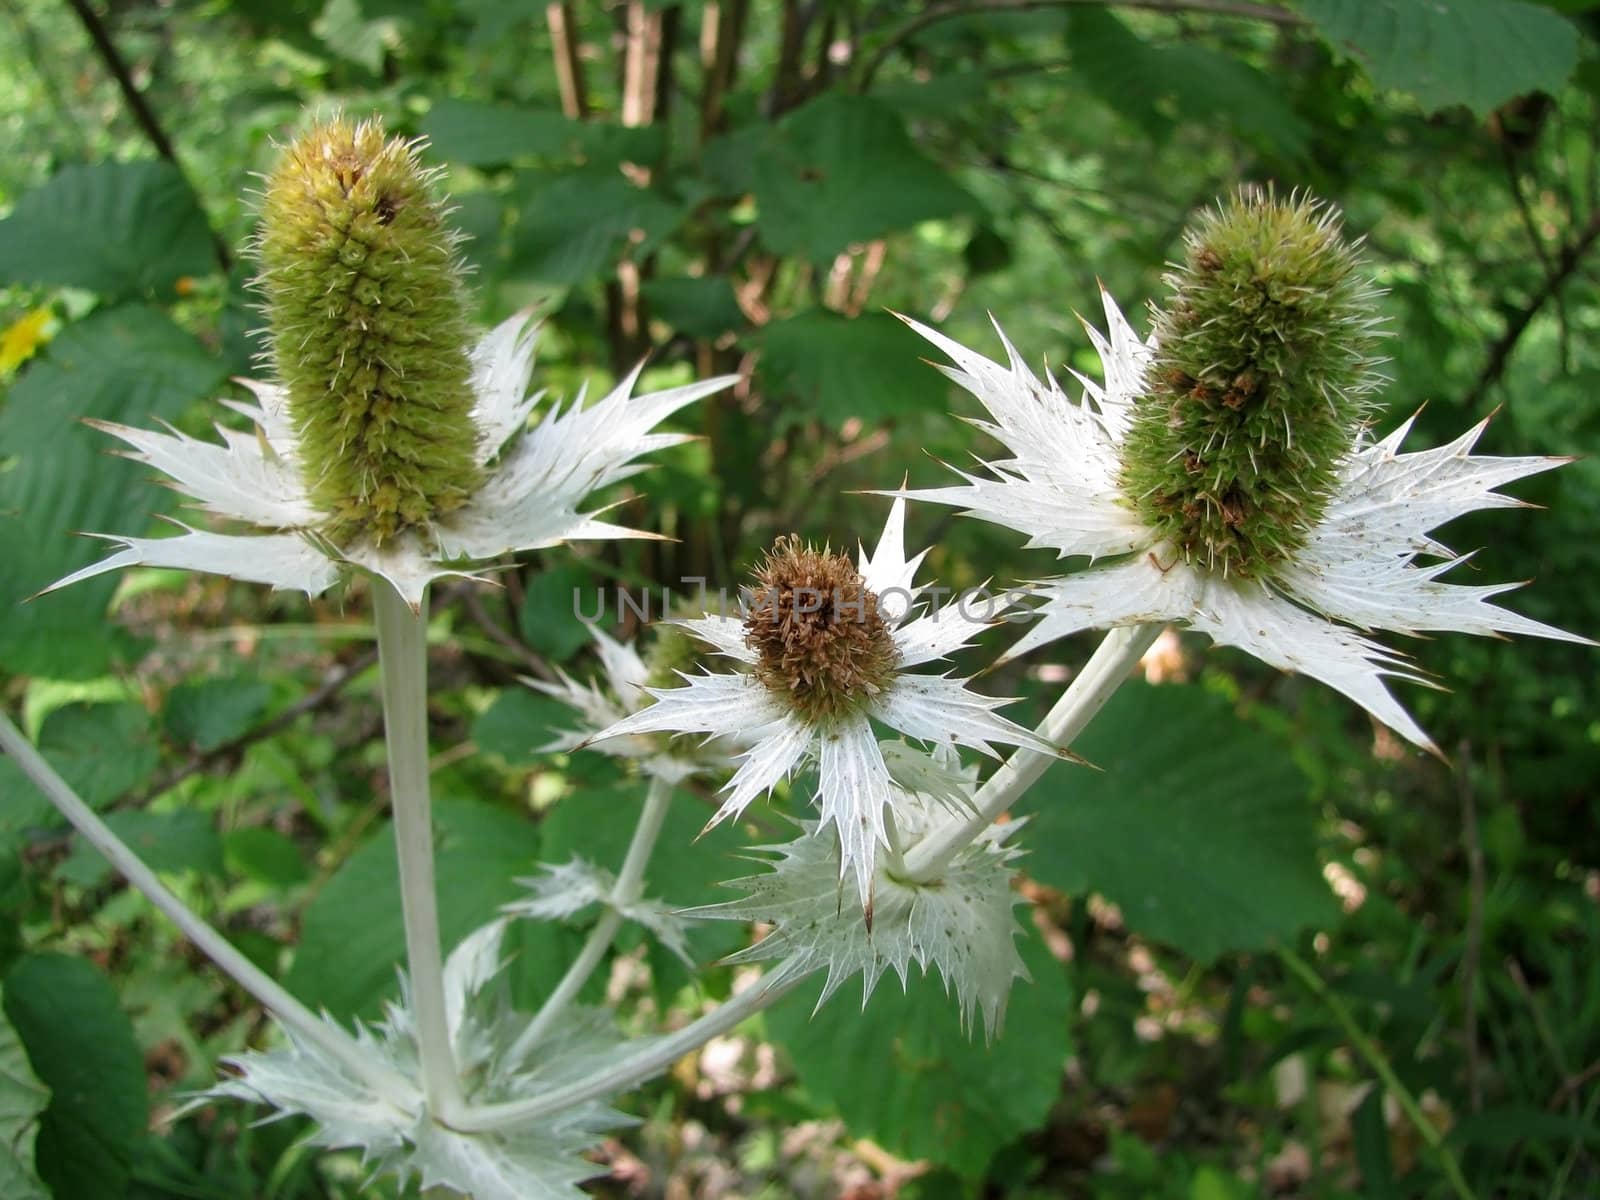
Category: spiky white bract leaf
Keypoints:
(536, 481)
(564, 890)
(542, 1160)
(960, 923)
(1356, 572)
(624, 692)
(854, 783)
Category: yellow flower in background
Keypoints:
(22, 339)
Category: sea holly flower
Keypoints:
(392, 1127)
(388, 442)
(627, 677)
(961, 922)
(826, 648)
(1225, 469)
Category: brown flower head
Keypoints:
(821, 641)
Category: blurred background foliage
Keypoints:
(754, 186)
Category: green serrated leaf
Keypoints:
(549, 614)
(903, 1073)
(22, 1101)
(102, 750)
(204, 714)
(113, 228)
(81, 1046)
(575, 223)
(701, 308)
(182, 840)
(518, 723)
(352, 939)
(265, 855)
(839, 170)
(488, 135)
(1480, 53)
(1159, 86)
(1196, 825)
(131, 365)
(840, 367)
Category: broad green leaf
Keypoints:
(701, 308)
(177, 841)
(1197, 825)
(903, 1073)
(840, 367)
(113, 228)
(491, 135)
(518, 723)
(352, 939)
(1159, 86)
(345, 29)
(81, 1046)
(487, 135)
(575, 223)
(549, 616)
(22, 1099)
(206, 713)
(265, 855)
(837, 171)
(131, 365)
(102, 750)
(1480, 53)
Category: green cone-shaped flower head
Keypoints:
(1258, 384)
(369, 330)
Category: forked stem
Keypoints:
(650, 1060)
(325, 1035)
(1101, 676)
(628, 888)
(403, 666)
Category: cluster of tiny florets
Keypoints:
(1258, 385)
(369, 330)
(821, 641)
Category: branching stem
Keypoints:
(403, 665)
(325, 1035)
(1101, 676)
(655, 1056)
(628, 888)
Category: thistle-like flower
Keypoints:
(1226, 469)
(826, 648)
(389, 442)
(390, 1123)
(961, 923)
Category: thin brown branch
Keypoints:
(721, 31)
(144, 116)
(1567, 262)
(569, 67)
(472, 602)
(949, 9)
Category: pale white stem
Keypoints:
(325, 1035)
(630, 880)
(649, 1060)
(1101, 676)
(629, 886)
(403, 665)
(894, 859)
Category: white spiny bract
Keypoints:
(624, 692)
(1357, 570)
(961, 922)
(855, 786)
(393, 1130)
(565, 890)
(534, 482)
